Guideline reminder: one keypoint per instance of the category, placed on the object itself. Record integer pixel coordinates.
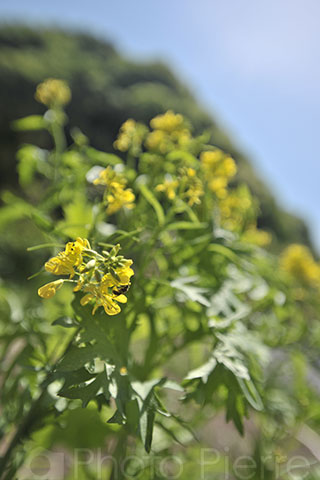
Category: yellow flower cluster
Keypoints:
(256, 236)
(190, 186)
(169, 187)
(53, 92)
(131, 136)
(168, 122)
(236, 208)
(193, 187)
(116, 194)
(218, 168)
(103, 278)
(298, 261)
(238, 212)
(169, 131)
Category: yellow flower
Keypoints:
(229, 167)
(64, 262)
(130, 137)
(298, 261)
(210, 159)
(238, 212)
(219, 168)
(127, 130)
(168, 122)
(123, 273)
(194, 193)
(60, 265)
(191, 172)
(170, 131)
(218, 184)
(74, 250)
(102, 298)
(257, 236)
(104, 278)
(158, 140)
(109, 178)
(116, 195)
(49, 289)
(120, 198)
(53, 91)
(169, 187)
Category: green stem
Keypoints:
(60, 143)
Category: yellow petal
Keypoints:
(49, 290)
(121, 298)
(86, 299)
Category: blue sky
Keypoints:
(253, 63)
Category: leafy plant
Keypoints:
(158, 230)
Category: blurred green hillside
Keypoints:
(107, 89)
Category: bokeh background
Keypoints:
(249, 71)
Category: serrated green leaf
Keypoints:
(77, 357)
(144, 389)
(74, 378)
(202, 372)
(85, 393)
(190, 292)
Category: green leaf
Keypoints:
(144, 389)
(74, 378)
(100, 329)
(250, 392)
(234, 412)
(66, 322)
(84, 393)
(148, 406)
(32, 122)
(148, 195)
(203, 371)
(224, 251)
(117, 418)
(231, 359)
(77, 357)
(149, 430)
(132, 415)
(190, 292)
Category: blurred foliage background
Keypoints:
(107, 89)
